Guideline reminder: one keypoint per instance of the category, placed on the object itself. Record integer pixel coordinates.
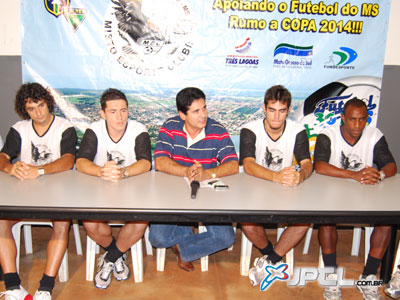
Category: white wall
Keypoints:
(10, 31)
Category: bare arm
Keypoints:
(111, 171)
(287, 176)
(367, 175)
(23, 171)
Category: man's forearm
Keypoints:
(325, 168)
(64, 163)
(139, 167)
(254, 169)
(225, 169)
(169, 166)
(86, 166)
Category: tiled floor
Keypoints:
(222, 281)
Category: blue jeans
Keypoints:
(192, 246)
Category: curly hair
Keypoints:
(34, 92)
(111, 94)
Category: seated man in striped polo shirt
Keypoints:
(193, 146)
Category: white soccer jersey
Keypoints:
(356, 157)
(40, 150)
(274, 155)
(123, 151)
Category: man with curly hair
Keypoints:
(45, 144)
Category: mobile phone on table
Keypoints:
(221, 187)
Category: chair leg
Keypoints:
(160, 259)
(137, 261)
(28, 239)
(78, 243)
(149, 247)
(245, 255)
(90, 258)
(63, 272)
(368, 233)
(355, 249)
(234, 230)
(16, 231)
(307, 240)
(320, 259)
(204, 259)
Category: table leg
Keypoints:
(387, 261)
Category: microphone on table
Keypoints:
(195, 185)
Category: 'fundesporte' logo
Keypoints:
(148, 37)
(341, 59)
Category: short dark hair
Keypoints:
(355, 102)
(186, 97)
(111, 94)
(278, 93)
(35, 92)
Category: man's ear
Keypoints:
(182, 115)
(102, 114)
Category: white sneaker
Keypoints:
(121, 269)
(258, 273)
(370, 292)
(17, 294)
(392, 289)
(332, 292)
(42, 295)
(103, 277)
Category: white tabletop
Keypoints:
(158, 196)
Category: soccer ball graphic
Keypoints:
(324, 107)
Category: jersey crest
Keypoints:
(116, 156)
(352, 162)
(273, 159)
(41, 154)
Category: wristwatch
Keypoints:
(382, 175)
(213, 175)
(125, 173)
(40, 171)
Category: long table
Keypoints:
(156, 196)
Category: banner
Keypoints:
(324, 52)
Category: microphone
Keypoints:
(195, 185)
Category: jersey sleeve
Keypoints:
(68, 141)
(143, 147)
(382, 154)
(12, 147)
(247, 144)
(322, 148)
(165, 143)
(302, 146)
(88, 147)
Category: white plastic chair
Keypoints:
(245, 253)
(203, 260)
(355, 245)
(136, 252)
(63, 272)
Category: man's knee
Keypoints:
(224, 236)
(61, 228)
(157, 237)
